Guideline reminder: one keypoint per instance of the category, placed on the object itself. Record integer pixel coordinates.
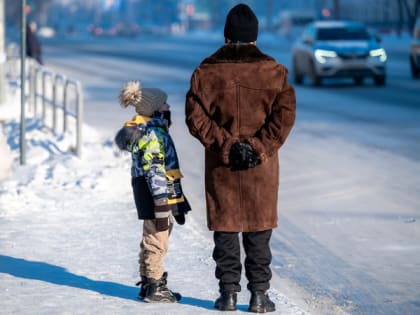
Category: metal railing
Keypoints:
(54, 91)
(59, 87)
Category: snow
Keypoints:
(6, 161)
(69, 235)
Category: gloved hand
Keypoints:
(162, 224)
(180, 219)
(242, 156)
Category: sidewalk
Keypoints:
(69, 240)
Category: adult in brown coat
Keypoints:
(240, 105)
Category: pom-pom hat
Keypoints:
(145, 100)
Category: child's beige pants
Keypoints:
(153, 248)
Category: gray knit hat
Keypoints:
(145, 100)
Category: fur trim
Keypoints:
(258, 147)
(225, 150)
(127, 135)
(239, 53)
(130, 94)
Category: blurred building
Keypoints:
(379, 13)
(74, 15)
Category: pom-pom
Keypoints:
(130, 94)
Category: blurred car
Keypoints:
(415, 51)
(291, 23)
(112, 30)
(96, 30)
(46, 32)
(328, 49)
(127, 29)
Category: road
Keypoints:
(348, 241)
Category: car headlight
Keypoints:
(378, 53)
(323, 55)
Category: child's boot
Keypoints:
(156, 291)
(143, 286)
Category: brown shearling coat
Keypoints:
(239, 93)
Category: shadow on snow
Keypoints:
(37, 270)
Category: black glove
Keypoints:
(242, 156)
(180, 219)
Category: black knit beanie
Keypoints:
(241, 24)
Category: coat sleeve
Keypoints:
(153, 164)
(213, 137)
(278, 124)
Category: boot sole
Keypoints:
(226, 309)
(261, 310)
(164, 300)
(176, 295)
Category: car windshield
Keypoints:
(343, 33)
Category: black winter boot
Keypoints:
(261, 303)
(143, 285)
(156, 291)
(226, 301)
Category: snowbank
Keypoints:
(9, 110)
(5, 158)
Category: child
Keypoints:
(155, 181)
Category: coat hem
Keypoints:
(259, 229)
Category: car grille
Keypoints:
(353, 56)
(354, 72)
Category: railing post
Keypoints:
(65, 106)
(78, 114)
(45, 74)
(58, 78)
(79, 119)
(36, 92)
(31, 74)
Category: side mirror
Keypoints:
(308, 41)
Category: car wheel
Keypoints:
(297, 76)
(379, 80)
(358, 80)
(415, 72)
(315, 78)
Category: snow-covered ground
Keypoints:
(69, 234)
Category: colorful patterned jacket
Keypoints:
(156, 178)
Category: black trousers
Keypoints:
(227, 256)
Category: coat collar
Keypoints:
(137, 120)
(237, 53)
